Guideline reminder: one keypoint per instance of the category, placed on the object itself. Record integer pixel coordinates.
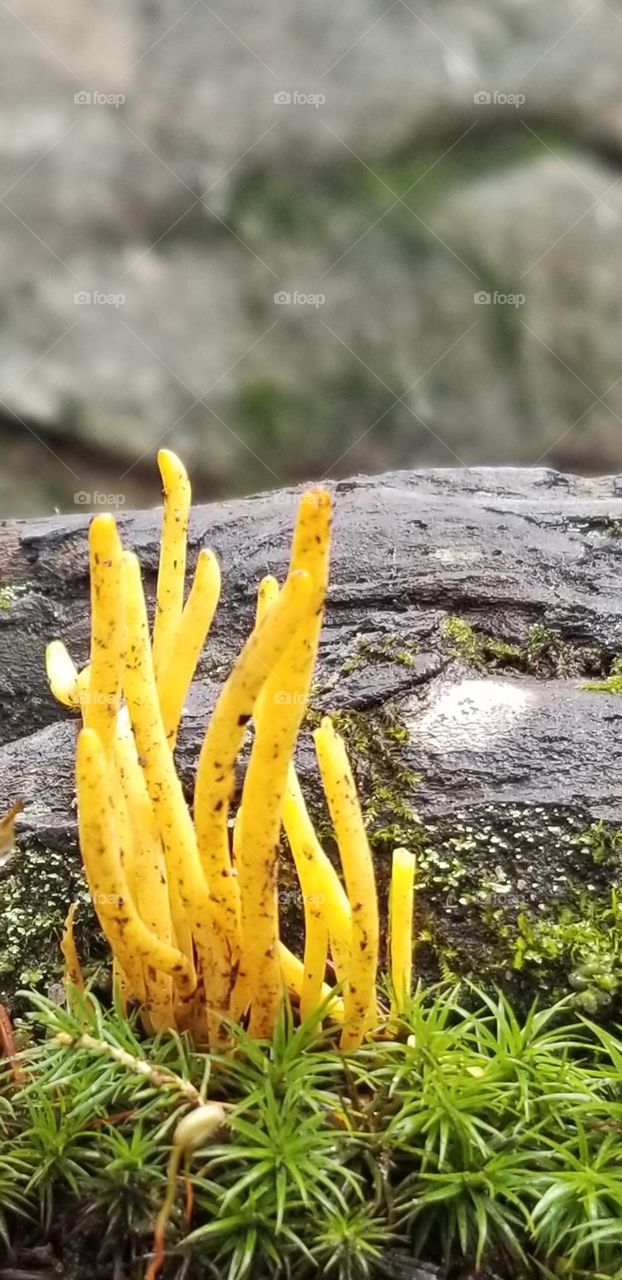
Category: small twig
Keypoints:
(8, 1047)
(159, 1077)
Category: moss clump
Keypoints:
(575, 944)
(9, 595)
(35, 889)
(612, 683)
(477, 647)
(388, 649)
(445, 1146)
(542, 652)
(584, 941)
(581, 941)
(602, 842)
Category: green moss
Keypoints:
(572, 942)
(477, 647)
(585, 937)
(420, 174)
(584, 942)
(602, 843)
(434, 1150)
(8, 596)
(35, 890)
(289, 205)
(612, 683)
(389, 649)
(279, 205)
(386, 784)
(540, 652)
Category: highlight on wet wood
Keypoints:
(188, 901)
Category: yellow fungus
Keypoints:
(277, 720)
(148, 884)
(164, 787)
(241, 997)
(215, 781)
(401, 906)
(194, 931)
(182, 937)
(292, 970)
(129, 938)
(73, 970)
(101, 703)
(316, 936)
(314, 905)
(311, 546)
(359, 994)
(172, 568)
(62, 674)
(267, 595)
(315, 954)
(7, 830)
(190, 637)
(150, 867)
(278, 717)
(309, 857)
(121, 986)
(317, 874)
(324, 898)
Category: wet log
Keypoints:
(469, 612)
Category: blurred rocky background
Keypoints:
(294, 240)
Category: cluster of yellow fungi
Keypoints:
(189, 904)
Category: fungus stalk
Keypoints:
(360, 989)
(216, 774)
(130, 940)
(172, 567)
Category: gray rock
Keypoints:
(197, 198)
